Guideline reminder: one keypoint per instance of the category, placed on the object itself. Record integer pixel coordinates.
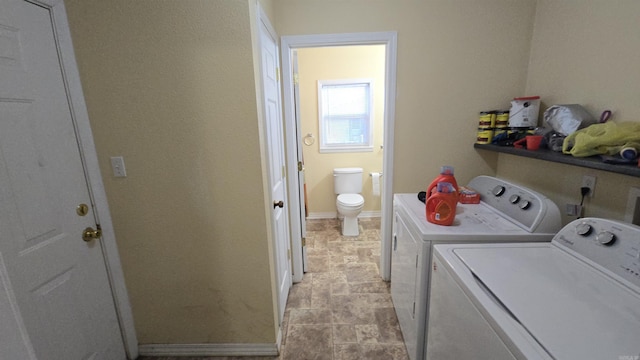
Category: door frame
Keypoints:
(289, 43)
(80, 117)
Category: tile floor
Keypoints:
(342, 309)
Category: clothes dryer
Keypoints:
(577, 297)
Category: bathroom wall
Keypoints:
(170, 86)
(455, 59)
(583, 52)
(333, 63)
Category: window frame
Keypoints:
(367, 145)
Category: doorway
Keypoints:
(349, 81)
(295, 138)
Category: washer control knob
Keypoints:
(514, 199)
(606, 238)
(498, 190)
(583, 229)
(525, 204)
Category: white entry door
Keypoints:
(55, 282)
(276, 157)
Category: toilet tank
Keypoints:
(347, 180)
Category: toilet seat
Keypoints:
(350, 200)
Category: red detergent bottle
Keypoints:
(446, 175)
(441, 205)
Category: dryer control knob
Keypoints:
(583, 229)
(498, 190)
(606, 238)
(514, 199)
(525, 204)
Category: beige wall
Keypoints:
(336, 63)
(585, 52)
(455, 58)
(170, 86)
(267, 6)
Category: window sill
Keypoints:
(592, 162)
(346, 149)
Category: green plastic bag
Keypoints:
(602, 139)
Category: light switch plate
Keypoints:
(117, 165)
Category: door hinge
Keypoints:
(288, 254)
(416, 260)
(278, 74)
(296, 79)
(300, 166)
(304, 241)
(284, 171)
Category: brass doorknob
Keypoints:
(89, 234)
(279, 204)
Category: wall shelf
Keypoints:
(592, 162)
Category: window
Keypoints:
(345, 115)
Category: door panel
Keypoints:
(302, 193)
(14, 341)
(59, 282)
(276, 156)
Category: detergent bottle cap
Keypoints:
(446, 170)
(445, 187)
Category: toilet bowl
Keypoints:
(349, 203)
(349, 207)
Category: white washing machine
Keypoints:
(507, 212)
(577, 297)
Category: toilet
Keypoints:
(347, 184)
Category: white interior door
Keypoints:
(301, 180)
(58, 282)
(276, 155)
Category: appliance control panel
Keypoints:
(611, 244)
(523, 206)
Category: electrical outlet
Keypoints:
(589, 181)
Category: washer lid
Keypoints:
(572, 309)
(473, 222)
(350, 199)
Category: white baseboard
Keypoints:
(212, 349)
(370, 214)
(208, 349)
(333, 215)
(322, 215)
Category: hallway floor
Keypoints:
(342, 309)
